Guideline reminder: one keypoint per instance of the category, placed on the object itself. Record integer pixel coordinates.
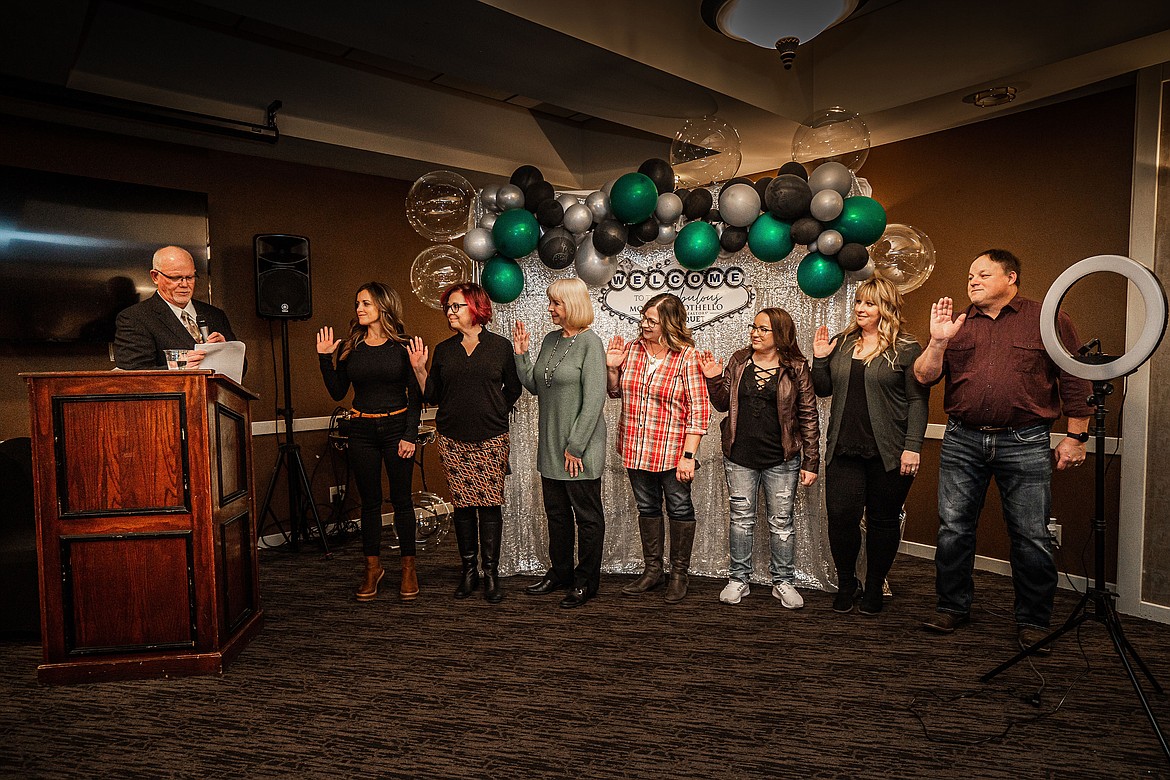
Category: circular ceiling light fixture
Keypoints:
(774, 25)
(992, 96)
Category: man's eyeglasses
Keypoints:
(454, 308)
(761, 329)
(178, 279)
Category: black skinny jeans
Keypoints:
(566, 500)
(855, 485)
(372, 442)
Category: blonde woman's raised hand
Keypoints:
(326, 344)
(615, 353)
(822, 347)
(710, 367)
(519, 338)
(418, 353)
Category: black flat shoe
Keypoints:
(546, 586)
(575, 598)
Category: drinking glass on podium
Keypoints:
(176, 358)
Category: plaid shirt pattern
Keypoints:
(659, 409)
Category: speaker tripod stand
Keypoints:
(300, 494)
(1097, 603)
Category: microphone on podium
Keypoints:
(204, 331)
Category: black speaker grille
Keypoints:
(283, 290)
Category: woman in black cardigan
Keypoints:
(876, 424)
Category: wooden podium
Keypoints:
(146, 523)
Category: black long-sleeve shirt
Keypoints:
(382, 381)
(474, 392)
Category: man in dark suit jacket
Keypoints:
(145, 329)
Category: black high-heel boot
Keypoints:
(466, 536)
(491, 525)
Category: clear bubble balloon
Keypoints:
(704, 151)
(435, 269)
(441, 205)
(904, 255)
(832, 134)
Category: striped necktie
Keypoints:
(192, 328)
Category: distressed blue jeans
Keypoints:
(1020, 460)
(743, 486)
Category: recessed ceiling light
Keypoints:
(993, 96)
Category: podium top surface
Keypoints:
(159, 373)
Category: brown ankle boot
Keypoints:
(409, 589)
(374, 574)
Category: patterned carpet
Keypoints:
(622, 688)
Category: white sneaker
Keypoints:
(734, 591)
(789, 596)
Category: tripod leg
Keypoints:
(1113, 627)
(1078, 616)
(307, 495)
(1113, 624)
(267, 505)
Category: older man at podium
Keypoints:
(172, 319)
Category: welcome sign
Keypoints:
(708, 295)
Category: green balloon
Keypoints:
(819, 276)
(862, 220)
(770, 239)
(516, 233)
(633, 198)
(697, 245)
(502, 279)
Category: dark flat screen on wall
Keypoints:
(75, 251)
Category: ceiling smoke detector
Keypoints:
(992, 96)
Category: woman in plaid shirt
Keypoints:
(665, 413)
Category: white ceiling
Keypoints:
(584, 90)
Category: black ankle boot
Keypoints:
(846, 594)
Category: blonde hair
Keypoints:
(891, 324)
(672, 316)
(574, 296)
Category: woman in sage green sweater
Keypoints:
(568, 378)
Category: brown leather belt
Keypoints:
(355, 414)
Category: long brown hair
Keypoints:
(891, 324)
(390, 315)
(783, 335)
(672, 316)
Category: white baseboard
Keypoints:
(997, 566)
(275, 540)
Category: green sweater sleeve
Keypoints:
(593, 395)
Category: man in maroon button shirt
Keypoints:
(1003, 393)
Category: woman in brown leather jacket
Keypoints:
(770, 439)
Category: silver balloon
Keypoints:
(607, 188)
(509, 197)
(667, 233)
(864, 273)
(567, 200)
(829, 242)
(435, 269)
(598, 203)
(811, 247)
(669, 208)
(479, 245)
(487, 220)
(487, 196)
(739, 205)
(578, 218)
(441, 205)
(831, 176)
(593, 268)
(826, 205)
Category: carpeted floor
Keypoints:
(622, 688)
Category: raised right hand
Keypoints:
(822, 347)
(418, 353)
(710, 367)
(325, 341)
(519, 338)
(615, 353)
(942, 326)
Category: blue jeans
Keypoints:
(651, 487)
(743, 485)
(1021, 462)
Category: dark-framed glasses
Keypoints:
(763, 330)
(454, 308)
(650, 322)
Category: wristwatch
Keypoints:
(689, 455)
(1082, 437)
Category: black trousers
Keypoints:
(855, 485)
(373, 441)
(579, 501)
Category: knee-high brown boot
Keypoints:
(374, 574)
(409, 589)
(651, 531)
(682, 539)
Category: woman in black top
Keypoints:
(473, 379)
(383, 425)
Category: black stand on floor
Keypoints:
(1096, 595)
(300, 494)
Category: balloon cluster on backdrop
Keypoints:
(811, 212)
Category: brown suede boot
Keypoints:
(374, 574)
(409, 589)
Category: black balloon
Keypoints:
(853, 257)
(645, 231)
(609, 237)
(557, 249)
(682, 194)
(538, 192)
(788, 197)
(805, 230)
(762, 187)
(713, 216)
(733, 238)
(794, 168)
(698, 202)
(660, 172)
(635, 242)
(739, 180)
(550, 213)
(525, 176)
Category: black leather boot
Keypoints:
(491, 525)
(467, 537)
(651, 531)
(682, 539)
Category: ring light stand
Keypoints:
(1099, 369)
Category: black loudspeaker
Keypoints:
(283, 291)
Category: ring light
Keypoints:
(1152, 294)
